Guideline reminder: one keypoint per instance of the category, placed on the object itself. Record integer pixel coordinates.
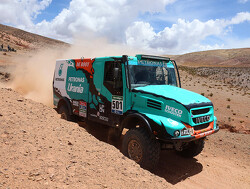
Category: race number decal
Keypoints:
(117, 105)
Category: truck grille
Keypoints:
(200, 127)
(153, 104)
(200, 111)
(201, 119)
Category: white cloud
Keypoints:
(21, 12)
(117, 20)
(108, 18)
(239, 18)
(243, 1)
(184, 36)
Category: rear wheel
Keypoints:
(140, 147)
(63, 110)
(192, 148)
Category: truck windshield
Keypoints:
(151, 74)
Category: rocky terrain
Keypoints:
(215, 58)
(232, 76)
(40, 150)
(25, 41)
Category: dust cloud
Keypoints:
(33, 74)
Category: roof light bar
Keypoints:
(152, 57)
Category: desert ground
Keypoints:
(40, 150)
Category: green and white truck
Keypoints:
(139, 93)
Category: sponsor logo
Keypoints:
(60, 70)
(75, 103)
(152, 63)
(103, 118)
(202, 119)
(101, 108)
(85, 64)
(82, 64)
(82, 109)
(59, 79)
(76, 79)
(75, 89)
(173, 111)
(70, 63)
(93, 115)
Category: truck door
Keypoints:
(114, 84)
(106, 92)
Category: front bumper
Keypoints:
(196, 135)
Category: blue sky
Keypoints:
(160, 26)
(52, 10)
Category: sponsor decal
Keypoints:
(75, 89)
(85, 64)
(152, 63)
(205, 134)
(104, 118)
(70, 63)
(117, 105)
(75, 103)
(101, 108)
(184, 132)
(82, 109)
(173, 111)
(59, 79)
(202, 119)
(76, 79)
(93, 115)
(60, 70)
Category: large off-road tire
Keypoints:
(140, 147)
(192, 149)
(63, 110)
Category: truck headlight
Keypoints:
(176, 133)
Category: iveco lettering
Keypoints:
(141, 94)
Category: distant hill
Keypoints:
(215, 58)
(22, 40)
(25, 41)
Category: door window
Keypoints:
(113, 77)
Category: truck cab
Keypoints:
(140, 93)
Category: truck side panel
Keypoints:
(71, 80)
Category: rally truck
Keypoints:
(139, 94)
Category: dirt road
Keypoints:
(39, 150)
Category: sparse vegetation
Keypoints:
(210, 94)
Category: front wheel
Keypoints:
(192, 148)
(140, 147)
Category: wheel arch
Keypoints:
(65, 101)
(134, 119)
